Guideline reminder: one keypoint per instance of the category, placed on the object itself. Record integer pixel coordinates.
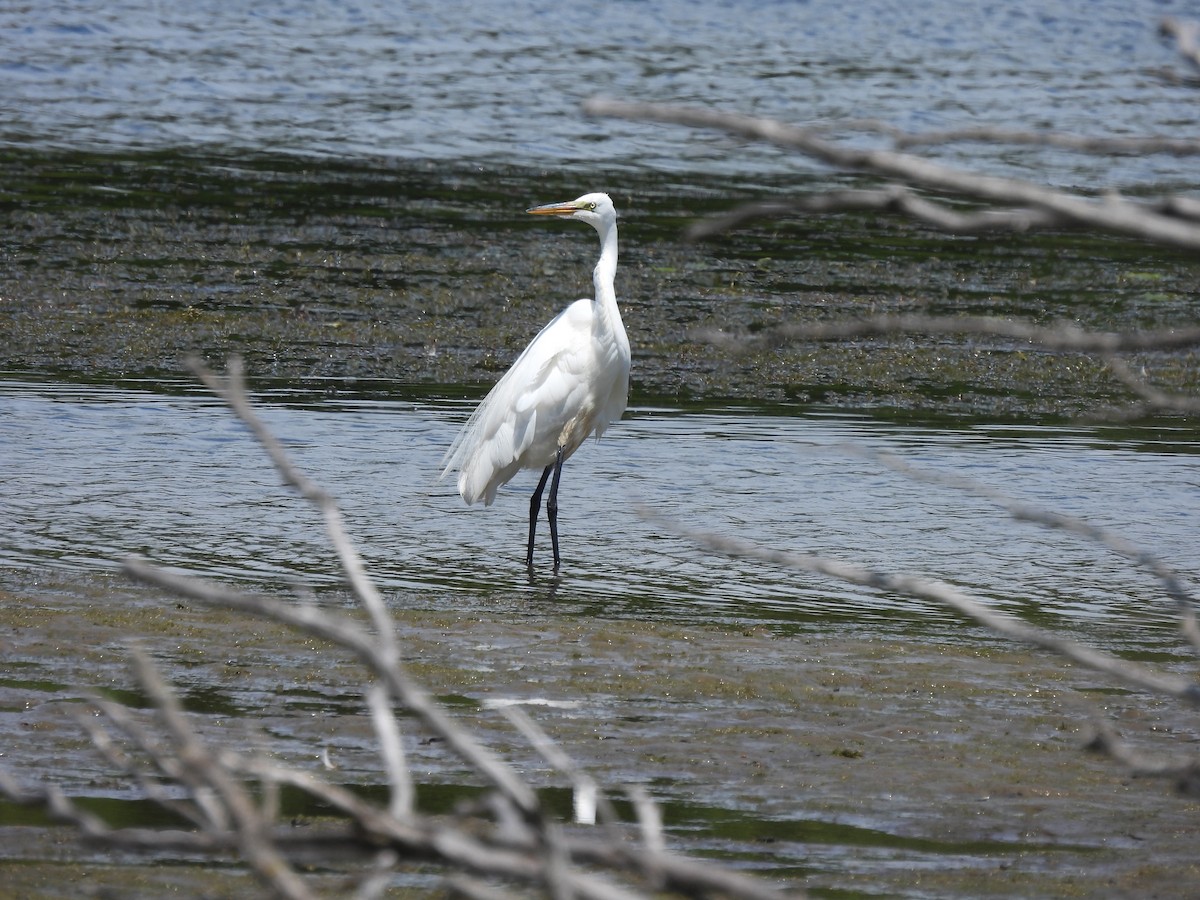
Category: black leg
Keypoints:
(552, 504)
(535, 506)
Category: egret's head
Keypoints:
(595, 209)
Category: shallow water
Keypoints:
(93, 474)
(782, 721)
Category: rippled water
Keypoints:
(95, 474)
(118, 247)
(453, 80)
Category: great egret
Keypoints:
(570, 382)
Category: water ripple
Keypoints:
(92, 475)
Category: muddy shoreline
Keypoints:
(390, 278)
(778, 752)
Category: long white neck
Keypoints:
(605, 272)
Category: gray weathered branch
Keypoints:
(1142, 677)
(1186, 34)
(1110, 213)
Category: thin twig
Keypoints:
(1111, 214)
(1187, 37)
(345, 633)
(893, 199)
(391, 751)
(1172, 583)
(150, 785)
(1106, 145)
(1142, 677)
(232, 390)
(1153, 397)
(1062, 336)
(585, 789)
(1183, 770)
(252, 829)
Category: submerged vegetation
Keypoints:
(404, 277)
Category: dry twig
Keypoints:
(1187, 38)
(1060, 337)
(522, 843)
(1142, 677)
(1110, 213)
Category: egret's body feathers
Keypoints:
(570, 382)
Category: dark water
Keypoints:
(458, 81)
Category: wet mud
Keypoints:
(409, 277)
(851, 764)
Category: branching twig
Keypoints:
(1154, 398)
(1077, 143)
(252, 830)
(1139, 676)
(232, 390)
(1060, 337)
(891, 199)
(1187, 38)
(345, 633)
(1183, 770)
(587, 795)
(1184, 602)
(1111, 214)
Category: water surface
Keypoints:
(95, 474)
(784, 722)
(461, 81)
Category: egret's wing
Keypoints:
(503, 434)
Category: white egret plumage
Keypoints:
(570, 382)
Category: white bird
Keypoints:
(570, 382)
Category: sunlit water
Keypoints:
(452, 80)
(91, 475)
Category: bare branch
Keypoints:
(1111, 214)
(252, 829)
(1186, 35)
(391, 751)
(946, 595)
(1171, 581)
(1063, 336)
(348, 635)
(1153, 397)
(649, 819)
(586, 791)
(1179, 206)
(894, 199)
(1183, 770)
(232, 390)
(199, 815)
(1078, 143)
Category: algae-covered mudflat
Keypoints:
(428, 277)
